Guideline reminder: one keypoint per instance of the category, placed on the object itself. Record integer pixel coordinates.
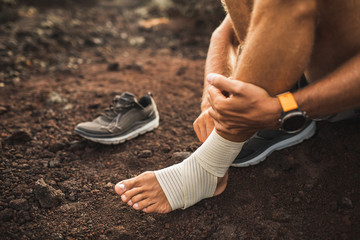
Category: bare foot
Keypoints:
(144, 193)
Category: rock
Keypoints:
(77, 146)
(109, 185)
(113, 66)
(145, 154)
(179, 156)
(55, 163)
(150, 219)
(19, 204)
(48, 196)
(55, 97)
(165, 148)
(3, 110)
(6, 215)
(57, 236)
(346, 203)
(55, 147)
(19, 137)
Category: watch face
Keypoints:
(294, 122)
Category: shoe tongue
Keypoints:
(127, 97)
(125, 100)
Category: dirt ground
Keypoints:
(63, 65)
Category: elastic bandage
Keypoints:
(194, 179)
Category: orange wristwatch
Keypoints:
(292, 119)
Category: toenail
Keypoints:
(123, 197)
(122, 186)
(145, 210)
(130, 202)
(136, 206)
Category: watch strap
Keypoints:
(287, 101)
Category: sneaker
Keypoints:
(125, 119)
(264, 142)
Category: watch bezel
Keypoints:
(288, 116)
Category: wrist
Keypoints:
(275, 113)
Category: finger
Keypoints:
(223, 83)
(197, 129)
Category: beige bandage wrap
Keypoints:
(195, 178)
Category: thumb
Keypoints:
(222, 83)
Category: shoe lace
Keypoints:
(114, 112)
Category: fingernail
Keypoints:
(123, 197)
(136, 206)
(210, 77)
(122, 186)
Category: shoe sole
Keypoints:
(307, 133)
(133, 134)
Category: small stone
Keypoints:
(346, 202)
(165, 148)
(19, 204)
(19, 137)
(55, 147)
(179, 156)
(3, 110)
(48, 196)
(145, 154)
(72, 197)
(57, 236)
(24, 166)
(113, 66)
(76, 146)
(167, 225)
(109, 185)
(55, 97)
(150, 219)
(55, 163)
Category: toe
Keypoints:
(126, 196)
(120, 188)
(142, 204)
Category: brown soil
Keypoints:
(62, 72)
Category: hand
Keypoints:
(203, 125)
(240, 108)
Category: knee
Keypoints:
(296, 10)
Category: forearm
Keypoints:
(337, 92)
(221, 54)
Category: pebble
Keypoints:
(55, 163)
(19, 137)
(3, 110)
(55, 147)
(145, 153)
(346, 202)
(76, 146)
(150, 219)
(165, 148)
(48, 196)
(109, 185)
(179, 156)
(19, 204)
(113, 66)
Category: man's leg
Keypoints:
(145, 193)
